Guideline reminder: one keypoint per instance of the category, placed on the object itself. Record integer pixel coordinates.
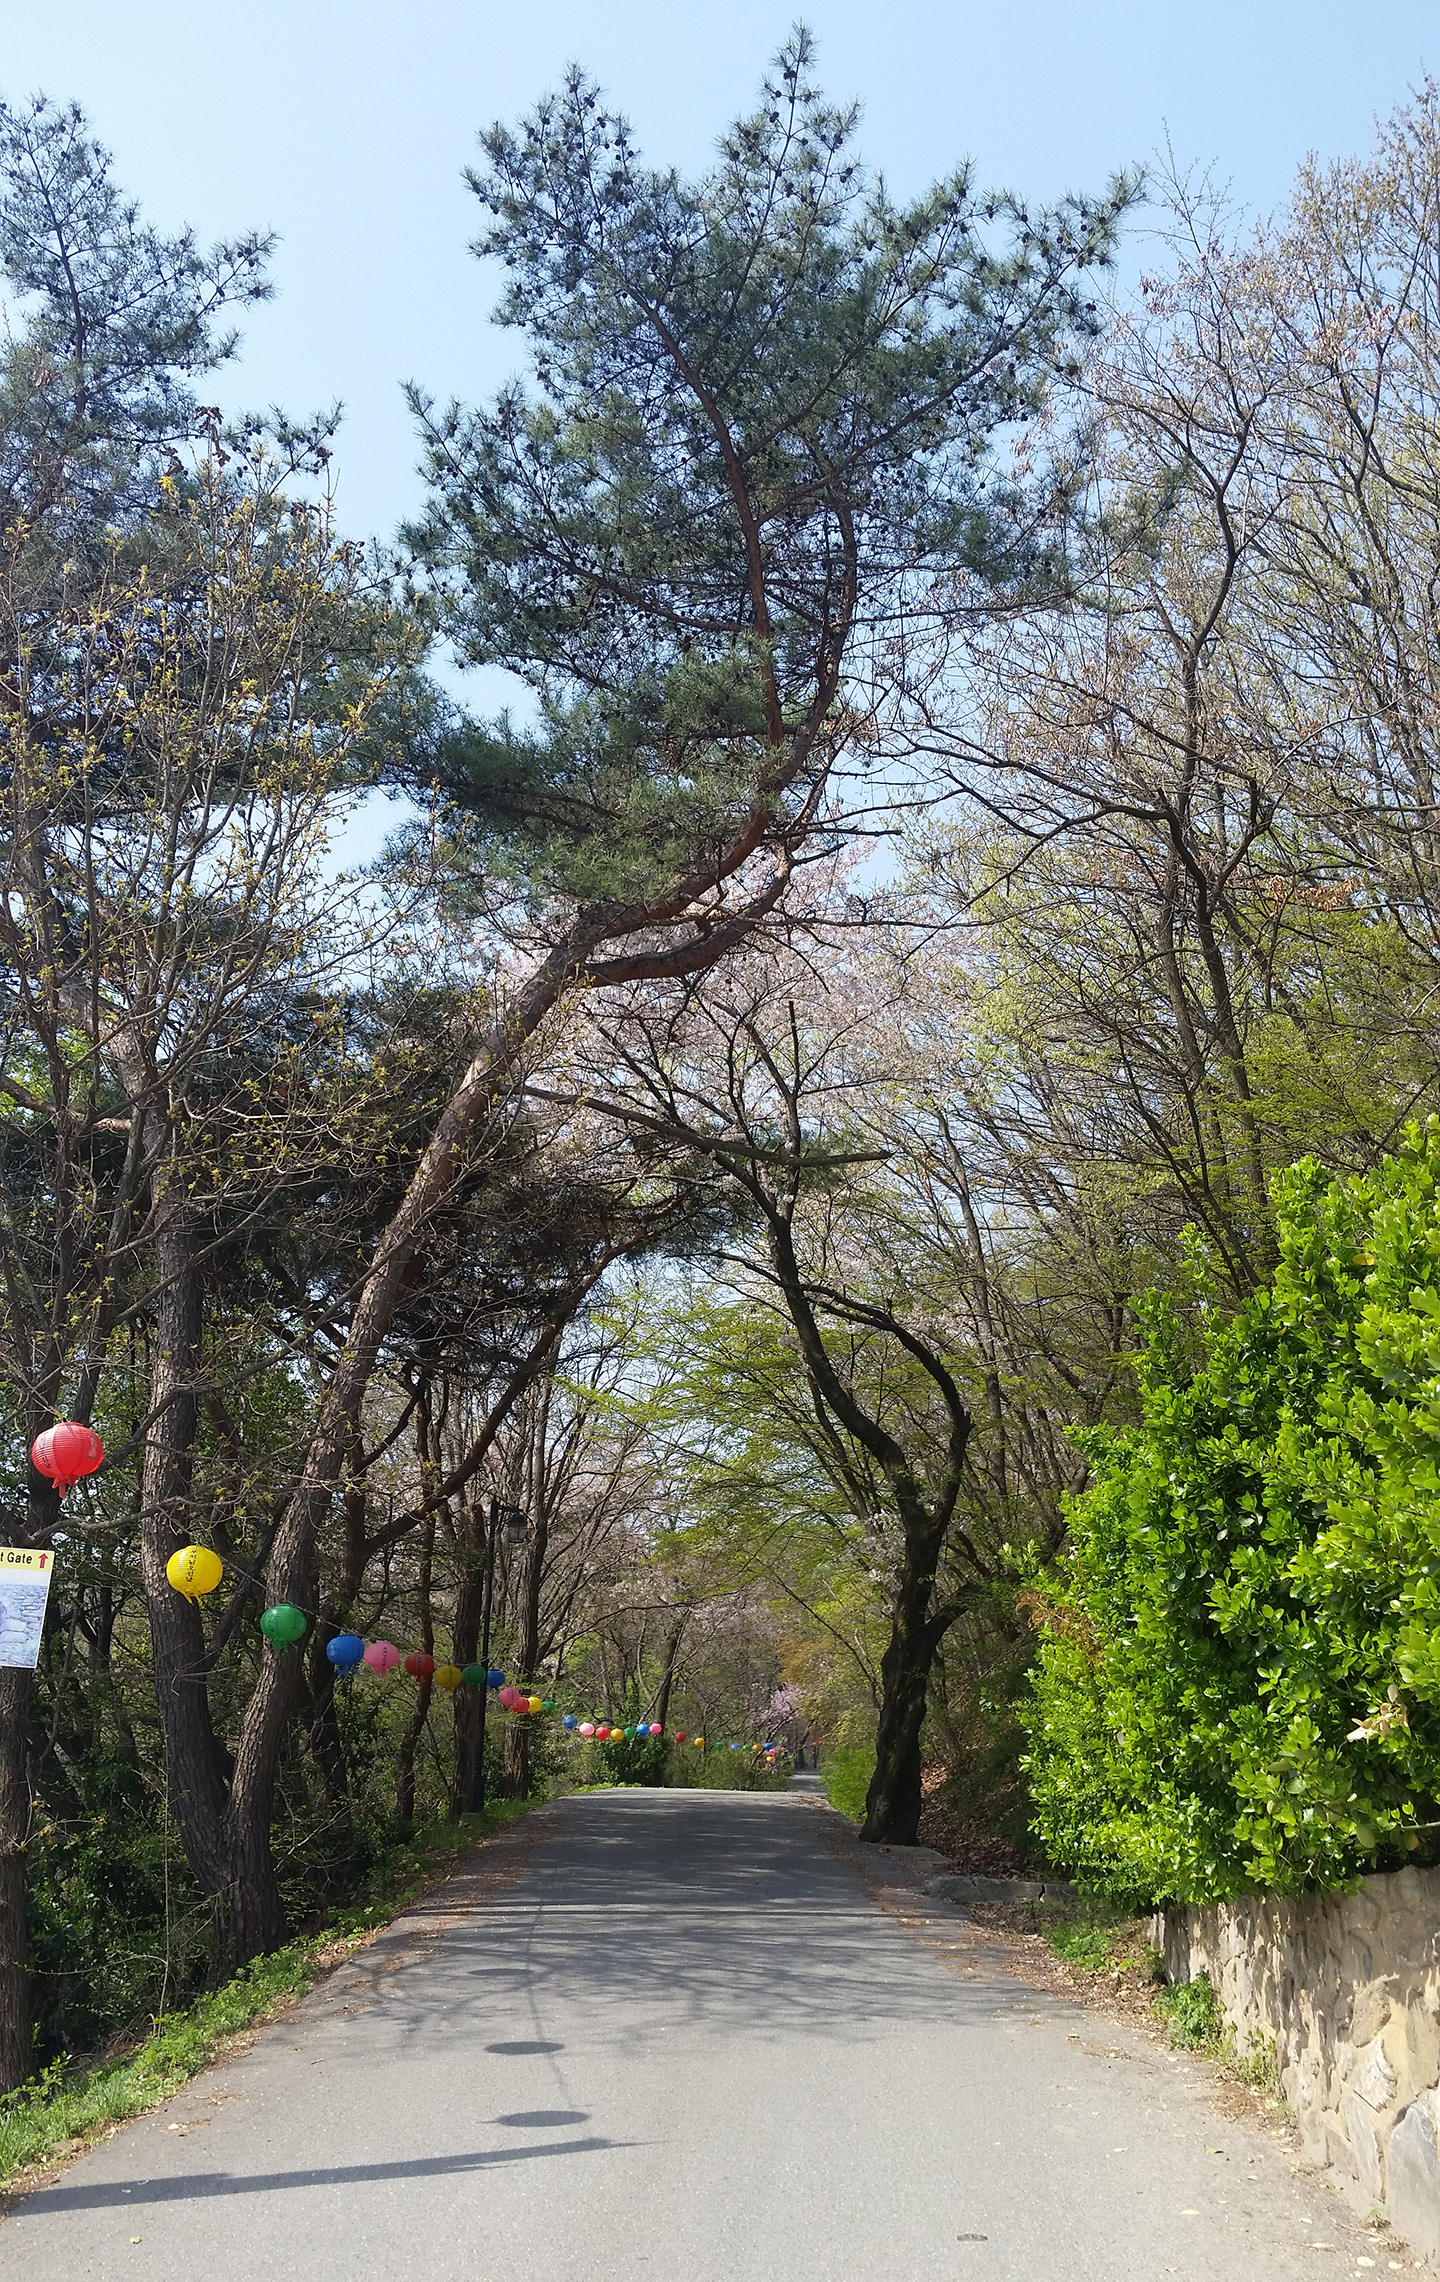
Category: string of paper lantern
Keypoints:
(196, 1571)
(68, 1452)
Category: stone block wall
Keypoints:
(1345, 1988)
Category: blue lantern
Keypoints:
(569, 1720)
(345, 1650)
(495, 1679)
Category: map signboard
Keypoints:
(24, 1590)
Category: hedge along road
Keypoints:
(668, 2036)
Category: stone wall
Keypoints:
(1345, 1988)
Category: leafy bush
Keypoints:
(634, 1759)
(112, 1921)
(1238, 1681)
(846, 1776)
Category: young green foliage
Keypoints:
(1238, 1683)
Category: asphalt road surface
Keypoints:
(668, 2037)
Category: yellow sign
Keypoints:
(25, 1576)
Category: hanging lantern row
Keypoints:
(196, 1570)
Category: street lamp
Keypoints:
(510, 1519)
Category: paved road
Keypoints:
(681, 2044)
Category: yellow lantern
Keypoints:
(535, 1704)
(194, 1571)
(699, 1742)
(448, 1677)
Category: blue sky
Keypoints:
(345, 128)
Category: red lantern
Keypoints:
(679, 1735)
(66, 1453)
(602, 1732)
(419, 1667)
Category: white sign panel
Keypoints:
(24, 1590)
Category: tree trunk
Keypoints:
(672, 1650)
(892, 1805)
(465, 1636)
(16, 1689)
(424, 1689)
(515, 1771)
(324, 1725)
(193, 1757)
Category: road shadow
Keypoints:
(642, 1909)
(129, 2194)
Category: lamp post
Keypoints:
(512, 1521)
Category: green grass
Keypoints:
(846, 1776)
(1101, 1941)
(1092, 1947)
(1192, 2011)
(68, 2104)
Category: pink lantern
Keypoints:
(507, 1697)
(382, 1657)
(587, 1728)
(656, 1728)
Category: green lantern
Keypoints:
(474, 1675)
(284, 1624)
(548, 1704)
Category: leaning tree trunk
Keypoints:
(465, 1117)
(892, 1805)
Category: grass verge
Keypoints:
(846, 1776)
(68, 2106)
(1101, 1944)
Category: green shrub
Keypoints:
(847, 1776)
(1192, 2011)
(112, 1919)
(633, 1759)
(1238, 1681)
